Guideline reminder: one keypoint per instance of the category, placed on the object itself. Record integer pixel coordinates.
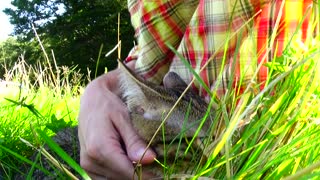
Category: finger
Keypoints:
(96, 176)
(134, 145)
(117, 160)
(115, 165)
(110, 160)
(109, 154)
(91, 165)
(105, 155)
(113, 162)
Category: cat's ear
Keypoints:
(173, 80)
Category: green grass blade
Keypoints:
(63, 155)
(195, 74)
(23, 159)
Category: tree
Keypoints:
(12, 49)
(74, 29)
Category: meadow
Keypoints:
(33, 97)
(270, 134)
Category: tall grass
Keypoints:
(281, 125)
(34, 97)
(268, 134)
(265, 134)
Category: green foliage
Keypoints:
(270, 133)
(54, 146)
(11, 50)
(74, 30)
(273, 133)
(47, 104)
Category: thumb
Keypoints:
(137, 151)
(135, 146)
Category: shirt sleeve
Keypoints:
(237, 36)
(279, 23)
(214, 31)
(156, 24)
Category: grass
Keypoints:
(281, 125)
(30, 100)
(270, 134)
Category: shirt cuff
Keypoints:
(133, 54)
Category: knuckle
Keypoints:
(85, 164)
(93, 151)
(125, 115)
(134, 141)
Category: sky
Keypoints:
(5, 27)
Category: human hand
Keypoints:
(108, 142)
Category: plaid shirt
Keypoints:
(200, 29)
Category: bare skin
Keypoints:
(103, 126)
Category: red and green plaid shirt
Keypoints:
(200, 29)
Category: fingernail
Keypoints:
(148, 156)
(140, 152)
